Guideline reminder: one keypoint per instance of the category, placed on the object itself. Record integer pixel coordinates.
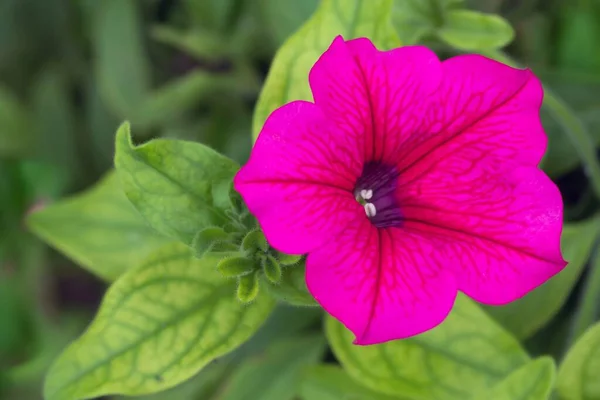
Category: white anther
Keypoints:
(366, 194)
(370, 210)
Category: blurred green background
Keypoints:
(72, 70)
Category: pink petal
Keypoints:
(500, 234)
(475, 181)
(376, 97)
(479, 100)
(299, 179)
(382, 284)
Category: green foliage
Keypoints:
(275, 375)
(332, 383)
(99, 229)
(527, 315)
(292, 287)
(532, 381)
(288, 76)
(469, 30)
(15, 128)
(233, 266)
(122, 71)
(578, 373)
(467, 353)
(284, 17)
(171, 183)
(158, 325)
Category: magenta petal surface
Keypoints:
(299, 179)
(383, 284)
(478, 186)
(376, 97)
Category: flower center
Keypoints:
(375, 191)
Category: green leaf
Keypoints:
(122, 70)
(275, 375)
(578, 373)
(231, 267)
(170, 183)
(292, 287)
(15, 128)
(207, 238)
(288, 259)
(284, 17)
(288, 76)
(332, 383)
(467, 353)
(533, 381)
(527, 315)
(471, 30)
(254, 240)
(271, 269)
(248, 287)
(158, 325)
(99, 229)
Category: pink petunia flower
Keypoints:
(406, 180)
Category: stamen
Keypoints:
(375, 190)
(370, 210)
(366, 194)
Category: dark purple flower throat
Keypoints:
(375, 190)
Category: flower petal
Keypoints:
(383, 284)
(482, 105)
(376, 97)
(473, 177)
(299, 179)
(501, 233)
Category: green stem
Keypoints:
(572, 125)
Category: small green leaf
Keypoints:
(248, 287)
(271, 269)
(207, 238)
(122, 71)
(275, 375)
(288, 259)
(578, 373)
(527, 315)
(467, 353)
(288, 76)
(292, 288)
(231, 267)
(532, 381)
(332, 383)
(170, 183)
(254, 240)
(157, 326)
(99, 229)
(471, 30)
